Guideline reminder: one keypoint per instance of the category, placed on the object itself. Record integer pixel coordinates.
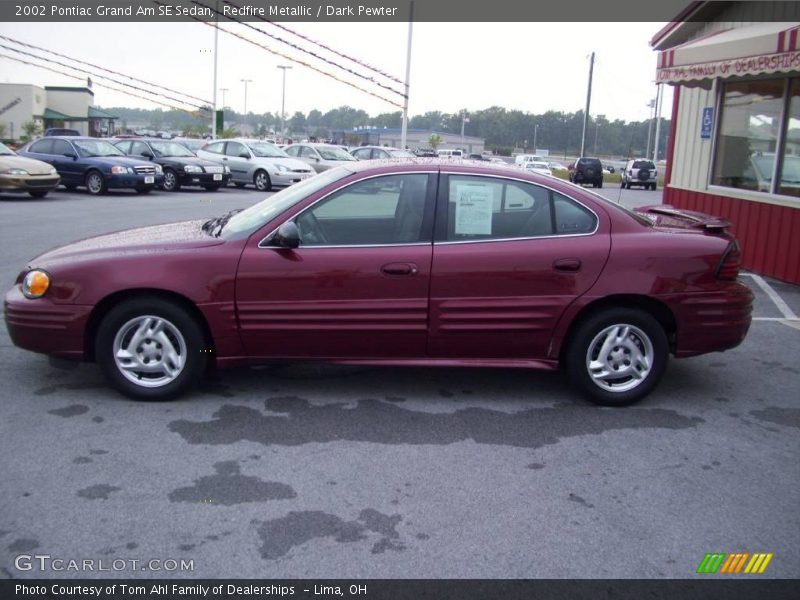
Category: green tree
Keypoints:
(31, 129)
(229, 132)
(435, 140)
(297, 123)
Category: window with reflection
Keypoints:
(789, 181)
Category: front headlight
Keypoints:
(193, 169)
(159, 170)
(18, 172)
(120, 170)
(282, 168)
(35, 283)
(53, 171)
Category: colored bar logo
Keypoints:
(737, 562)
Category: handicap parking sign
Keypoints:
(707, 122)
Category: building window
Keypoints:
(759, 122)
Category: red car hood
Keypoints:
(666, 215)
(158, 238)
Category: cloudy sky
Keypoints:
(532, 67)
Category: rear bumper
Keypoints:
(712, 321)
(43, 326)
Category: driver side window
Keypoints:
(376, 211)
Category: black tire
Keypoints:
(654, 186)
(171, 182)
(238, 184)
(118, 321)
(600, 183)
(95, 183)
(646, 335)
(38, 194)
(622, 183)
(212, 187)
(262, 181)
(628, 185)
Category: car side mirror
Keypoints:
(287, 236)
(316, 159)
(147, 155)
(244, 155)
(70, 155)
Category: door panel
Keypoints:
(501, 298)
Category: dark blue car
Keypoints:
(95, 164)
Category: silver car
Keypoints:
(256, 162)
(379, 152)
(321, 157)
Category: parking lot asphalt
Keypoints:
(309, 471)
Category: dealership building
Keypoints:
(734, 148)
(52, 106)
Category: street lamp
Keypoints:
(245, 82)
(283, 101)
(535, 131)
(223, 90)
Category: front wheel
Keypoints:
(262, 181)
(150, 349)
(171, 182)
(95, 183)
(616, 357)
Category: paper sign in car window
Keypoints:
(473, 209)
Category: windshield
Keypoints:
(170, 149)
(96, 148)
(258, 214)
(334, 153)
(5, 150)
(267, 150)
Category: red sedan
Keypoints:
(397, 263)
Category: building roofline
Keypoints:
(61, 88)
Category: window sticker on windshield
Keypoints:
(473, 209)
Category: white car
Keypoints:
(256, 162)
(556, 166)
(538, 167)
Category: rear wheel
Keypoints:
(655, 185)
(616, 357)
(600, 183)
(95, 183)
(262, 181)
(628, 185)
(150, 349)
(38, 194)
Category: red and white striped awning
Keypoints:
(751, 50)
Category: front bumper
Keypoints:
(28, 183)
(42, 326)
(117, 181)
(284, 178)
(204, 179)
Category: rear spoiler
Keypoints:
(666, 215)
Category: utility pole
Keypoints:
(216, 44)
(464, 121)
(652, 105)
(283, 101)
(245, 82)
(588, 101)
(535, 131)
(404, 128)
(659, 97)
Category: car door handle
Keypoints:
(567, 264)
(399, 269)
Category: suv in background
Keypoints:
(586, 170)
(639, 171)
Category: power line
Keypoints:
(287, 57)
(151, 84)
(23, 52)
(71, 75)
(371, 79)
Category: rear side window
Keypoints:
(42, 147)
(215, 148)
(571, 217)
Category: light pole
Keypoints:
(535, 131)
(223, 90)
(283, 101)
(245, 82)
(464, 121)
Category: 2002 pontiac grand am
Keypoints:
(395, 263)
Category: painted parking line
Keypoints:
(785, 310)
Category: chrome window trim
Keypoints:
(519, 239)
(321, 198)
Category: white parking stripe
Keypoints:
(787, 312)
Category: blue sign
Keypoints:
(707, 123)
